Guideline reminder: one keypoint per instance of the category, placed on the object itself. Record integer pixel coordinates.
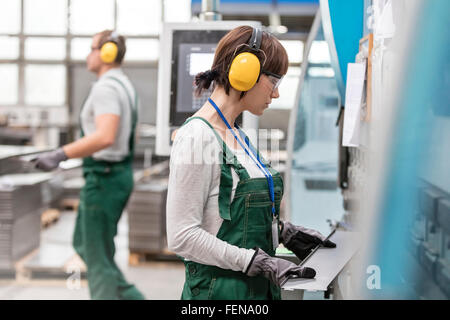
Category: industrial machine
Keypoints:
(24, 194)
(313, 192)
(393, 184)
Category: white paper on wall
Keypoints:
(353, 97)
(384, 26)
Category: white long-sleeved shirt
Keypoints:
(193, 219)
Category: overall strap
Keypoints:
(134, 112)
(228, 156)
(89, 161)
(226, 178)
(261, 166)
(81, 111)
(254, 150)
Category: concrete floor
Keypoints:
(156, 280)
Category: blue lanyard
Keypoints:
(258, 162)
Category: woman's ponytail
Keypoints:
(203, 80)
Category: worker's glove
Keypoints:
(49, 160)
(275, 269)
(302, 240)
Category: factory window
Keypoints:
(45, 48)
(47, 17)
(319, 72)
(10, 16)
(319, 52)
(294, 50)
(138, 17)
(55, 35)
(142, 49)
(287, 89)
(80, 48)
(9, 89)
(177, 11)
(9, 47)
(289, 86)
(88, 17)
(45, 85)
(137, 49)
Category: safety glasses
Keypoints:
(274, 78)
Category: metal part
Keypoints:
(319, 260)
(294, 114)
(210, 10)
(147, 216)
(329, 292)
(24, 194)
(8, 152)
(307, 257)
(315, 249)
(21, 203)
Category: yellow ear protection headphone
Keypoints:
(245, 69)
(109, 50)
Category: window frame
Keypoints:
(68, 62)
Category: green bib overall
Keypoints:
(247, 223)
(102, 200)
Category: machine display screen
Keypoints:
(192, 52)
(192, 59)
(199, 62)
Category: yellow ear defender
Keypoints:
(109, 50)
(245, 68)
(244, 71)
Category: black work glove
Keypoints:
(302, 240)
(49, 160)
(275, 269)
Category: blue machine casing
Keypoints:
(343, 28)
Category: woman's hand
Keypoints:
(302, 240)
(275, 269)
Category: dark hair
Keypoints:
(203, 80)
(105, 35)
(276, 59)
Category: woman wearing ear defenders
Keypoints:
(224, 199)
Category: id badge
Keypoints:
(275, 240)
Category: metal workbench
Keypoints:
(328, 263)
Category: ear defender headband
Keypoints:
(245, 68)
(109, 50)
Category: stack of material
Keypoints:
(8, 166)
(20, 209)
(15, 136)
(7, 151)
(15, 159)
(24, 194)
(147, 217)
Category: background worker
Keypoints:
(108, 121)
